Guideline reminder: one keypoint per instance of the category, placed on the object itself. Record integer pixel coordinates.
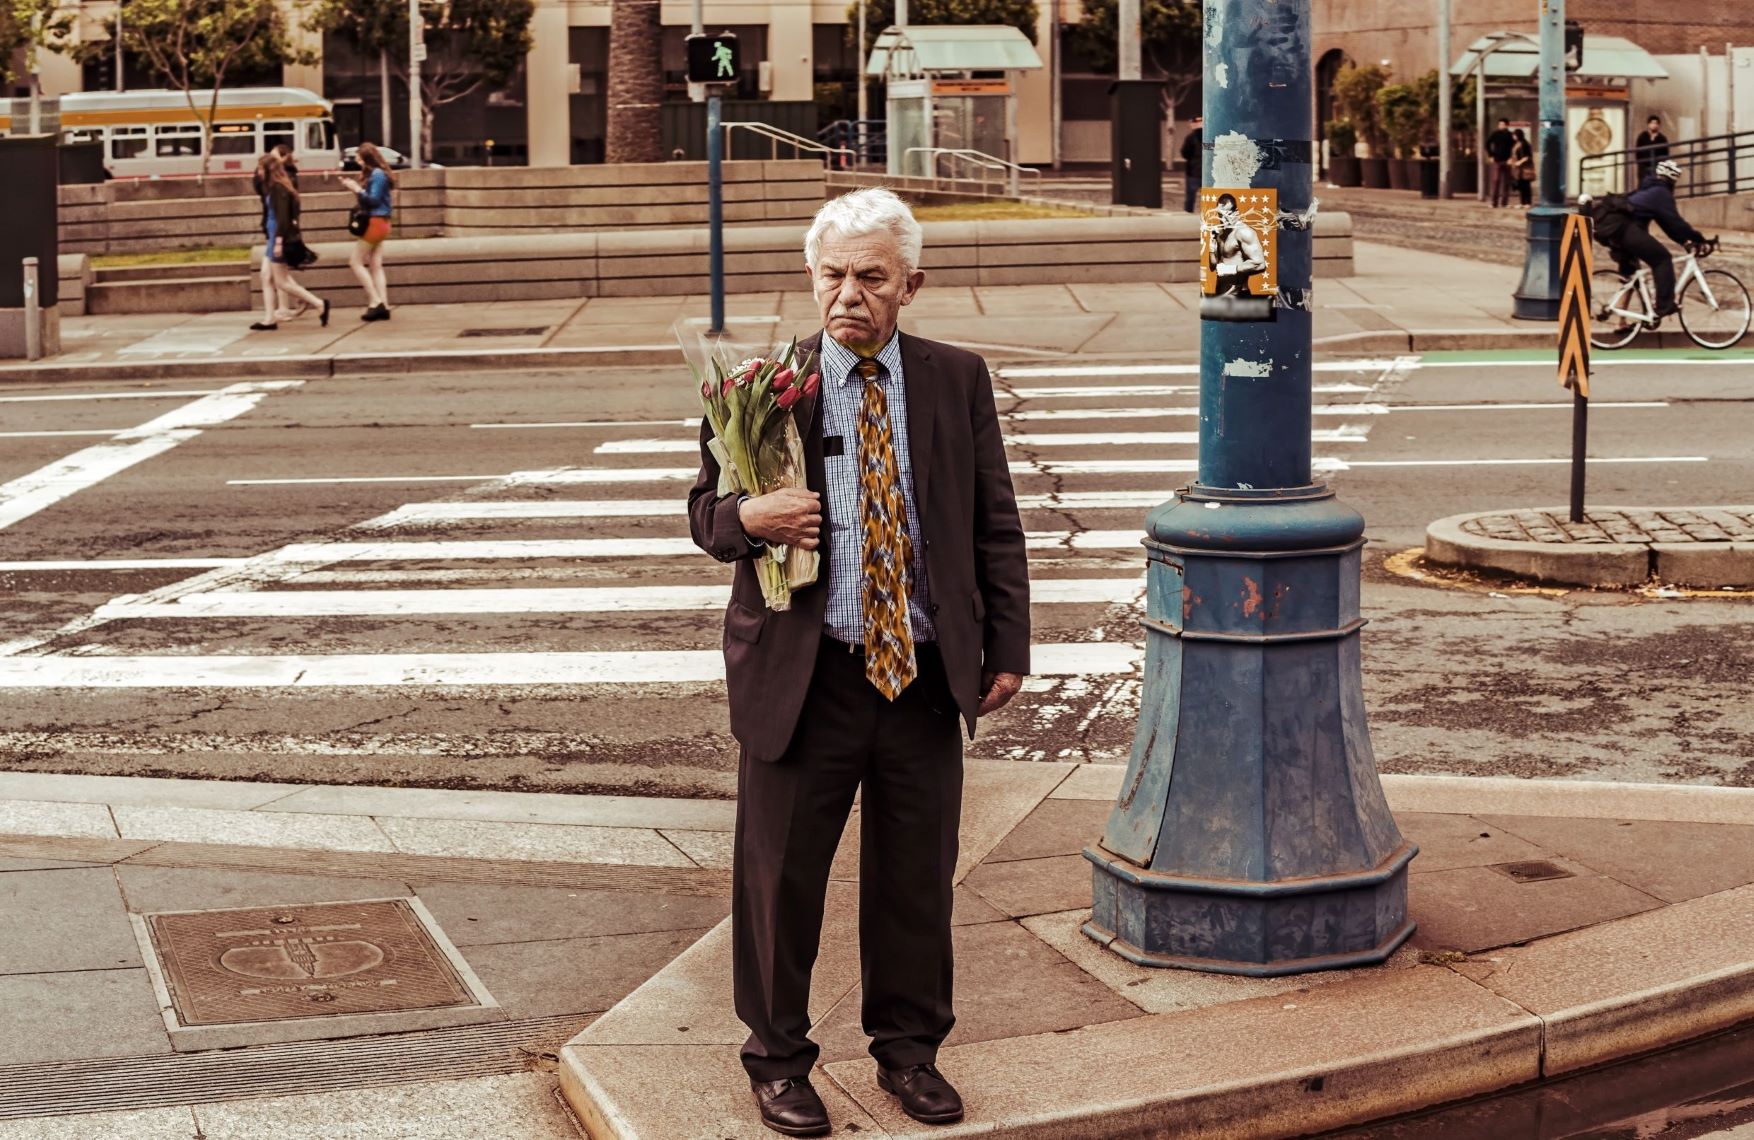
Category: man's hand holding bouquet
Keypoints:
(761, 456)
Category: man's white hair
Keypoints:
(869, 211)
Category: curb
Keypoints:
(1598, 564)
(343, 364)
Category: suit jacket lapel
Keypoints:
(922, 418)
(807, 412)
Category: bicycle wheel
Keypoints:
(1610, 290)
(1720, 320)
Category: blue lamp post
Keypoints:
(1537, 297)
(1251, 835)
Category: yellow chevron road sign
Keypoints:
(1575, 264)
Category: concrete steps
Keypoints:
(195, 287)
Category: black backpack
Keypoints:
(1609, 215)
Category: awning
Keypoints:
(1604, 57)
(924, 49)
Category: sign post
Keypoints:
(1575, 266)
(713, 63)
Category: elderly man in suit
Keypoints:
(917, 625)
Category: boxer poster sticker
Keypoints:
(1239, 254)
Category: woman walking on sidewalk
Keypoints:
(280, 205)
(372, 217)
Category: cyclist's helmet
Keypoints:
(1669, 171)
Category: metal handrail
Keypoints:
(1710, 164)
(776, 136)
(979, 159)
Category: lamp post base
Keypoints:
(1251, 835)
(1537, 298)
(1260, 930)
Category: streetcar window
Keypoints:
(315, 137)
(83, 134)
(275, 133)
(234, 138)
(177, 141)
(127, 142)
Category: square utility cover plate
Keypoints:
(232, 977)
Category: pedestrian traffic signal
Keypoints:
(1573, 45)
(713, 58)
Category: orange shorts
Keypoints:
(376, 230)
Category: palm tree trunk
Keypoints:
(636, 82)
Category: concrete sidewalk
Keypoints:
(1399, 301)
(1562, 925)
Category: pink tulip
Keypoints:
(783, 379)
(788, 397)
(730, 382)
(812, 383)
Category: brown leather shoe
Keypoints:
(924, 1093)
(791, 1107)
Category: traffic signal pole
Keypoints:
(1537, 298)
(715, 209)
(1251, 834)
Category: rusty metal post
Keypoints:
(1251, 835)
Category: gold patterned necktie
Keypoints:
(889, 639)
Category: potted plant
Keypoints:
(1403, 120)
(1343, 154)
(1355, 91)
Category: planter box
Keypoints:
(1376, 172)
(1343, 170)
(1398, 174)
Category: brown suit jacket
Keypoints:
(976, 563)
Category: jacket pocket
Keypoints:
(980, 606)
(743, 622)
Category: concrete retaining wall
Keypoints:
(1155, 247)
(144, 216)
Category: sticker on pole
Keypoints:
(1575, 262)
(1239, 254)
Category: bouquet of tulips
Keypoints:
(756, 442)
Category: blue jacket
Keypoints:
(375, 199)
(1654, 201)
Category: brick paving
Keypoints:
(1642, 525)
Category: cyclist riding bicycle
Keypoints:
(1654, 200)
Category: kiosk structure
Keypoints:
(952, 97)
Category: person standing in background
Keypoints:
(1499, 144)
(1652, 145)
(367, 259)
(1193, 149)
(1522, 167)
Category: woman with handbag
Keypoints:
(286, 249)
(370, 223)
(1522, 166)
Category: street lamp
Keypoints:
(1251, 835)
(1537, 298)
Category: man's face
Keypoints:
(1653, 125)
(860, 285)
(1503, 124)
(1226, 212)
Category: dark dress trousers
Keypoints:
(814, 731)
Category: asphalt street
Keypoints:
(485, 580)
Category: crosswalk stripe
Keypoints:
(1073, 392)
(325, 553)
(1187, 369)
(488, 510)
(538, 600)
(472, 669)
(1021, 439)
(1034, 415)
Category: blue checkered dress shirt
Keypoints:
(842, 394)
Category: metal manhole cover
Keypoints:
(1532, 872)
(538, 331)
(225, 967)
